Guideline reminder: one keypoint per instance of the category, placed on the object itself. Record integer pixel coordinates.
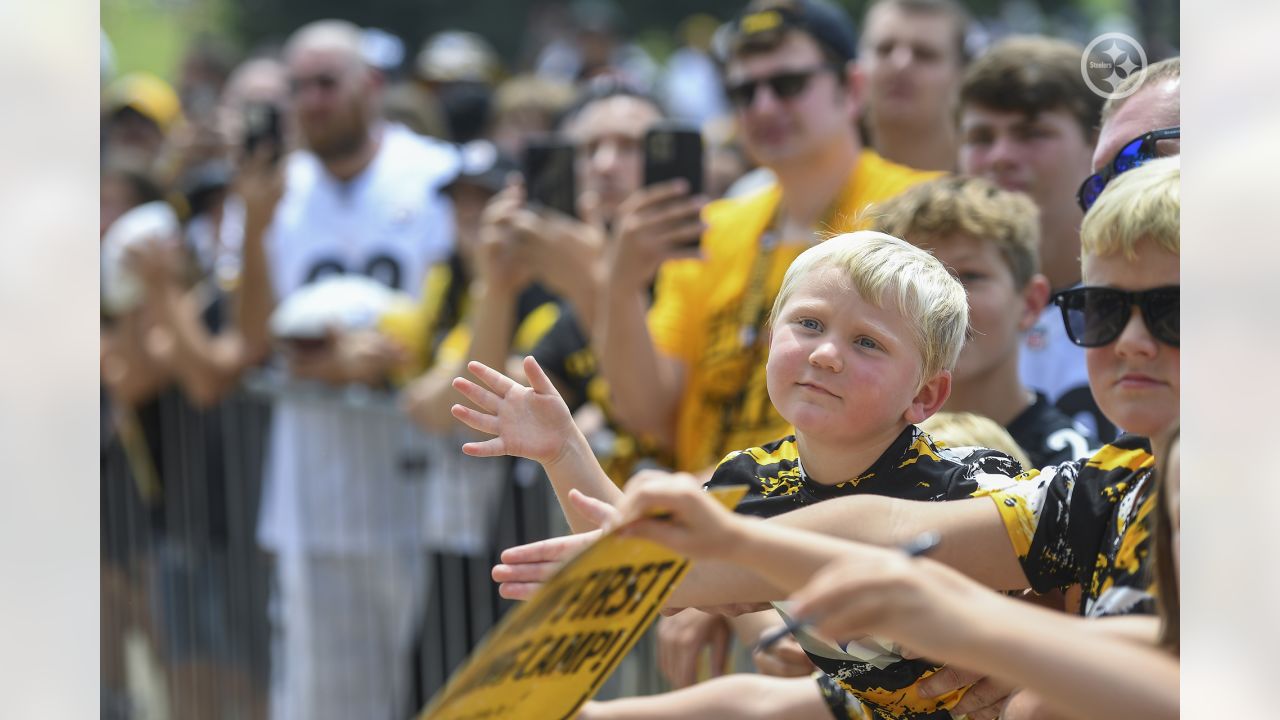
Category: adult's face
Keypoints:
(609, 135)
(1044, 155)
(1135, 379)
(334, 96)
(912, 65)
(1152, 108)
(779, 130)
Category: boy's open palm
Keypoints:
(530, 422)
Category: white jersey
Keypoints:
(336, 476)
(1051, 364)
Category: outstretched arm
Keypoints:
(534, 422)
(1080, 671)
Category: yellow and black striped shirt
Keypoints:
(914, 467)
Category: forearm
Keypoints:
(493, 324)
(254, 297)
(646, 385)
(973, 537)
(1077, 670)
(760, 562)
(205, 364)
(578, 469)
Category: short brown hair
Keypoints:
(960, 19)
(971, 207)
(1031, 74)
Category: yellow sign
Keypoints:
(549, 655)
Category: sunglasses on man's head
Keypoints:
(1135, 152)
(1095, 316)
(785, 85)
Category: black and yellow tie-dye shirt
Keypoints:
(914, 467)
(1088, 522)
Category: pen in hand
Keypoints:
(921, 544)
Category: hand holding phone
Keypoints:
(549, 175)
(673, 150)
(263, 125)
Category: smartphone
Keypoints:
(548, 175)
(673, 150)
(262, 123)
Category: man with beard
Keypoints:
(362, 196)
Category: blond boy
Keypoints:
(863, 336)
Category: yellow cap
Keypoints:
(147, 94)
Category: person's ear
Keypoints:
(854, 82)
(929, 399)
(1034, 298)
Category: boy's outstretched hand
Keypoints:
(530, 422)
(673, 509)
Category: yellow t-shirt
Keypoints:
(705, 316)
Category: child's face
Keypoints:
(1135, 378)
(998, 310)
(840, 369)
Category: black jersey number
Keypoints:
(383, 268)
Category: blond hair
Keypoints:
(883, 268)
(1167, 70)
(968, 206)
(1142, 203)
(965, 429)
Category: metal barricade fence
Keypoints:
(187, 588)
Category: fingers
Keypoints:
(538, 379)
(552, 549)
(524, 573)
(596, 511)
(947, 679)
(518, 591)
(493, 447)
(985, 699)
(480, 397)
(497, 382)
(719, 649)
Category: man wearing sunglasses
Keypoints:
(692, 375)
(1137, 126)
(338, 515)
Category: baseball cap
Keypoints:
(826, 23)
(458, 56)
(483, 165)
(146, 94)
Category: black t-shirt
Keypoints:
(912, 468)
(1048, 436)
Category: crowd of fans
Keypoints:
(304, 249)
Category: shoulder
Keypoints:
(431, 159)
(766, 460)
(881, 178)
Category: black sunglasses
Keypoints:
(1095, 316)
(785, 85)
(1135, 152)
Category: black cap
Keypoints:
(826, 23)
(483, 165)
